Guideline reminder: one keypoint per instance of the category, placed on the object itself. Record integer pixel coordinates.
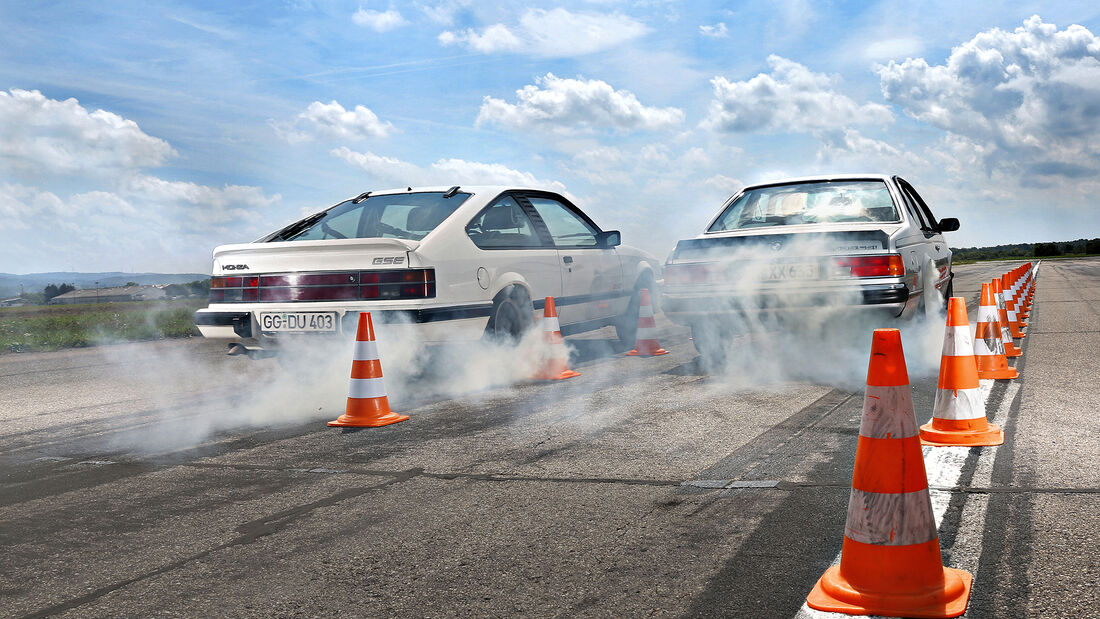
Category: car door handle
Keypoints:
(567, 259)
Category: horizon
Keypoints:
(648, 115)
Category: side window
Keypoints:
(567, 228)
(503, 225)
(932, 221)
(911, 205)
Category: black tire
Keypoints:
(711, 344)
(511, 315)
(626, 325)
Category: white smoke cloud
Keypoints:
(45, 136)
(567, 104)
(553, 33)
(789, 99)
(1025, 103)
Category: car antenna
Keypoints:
(451, 192)
(359, 198)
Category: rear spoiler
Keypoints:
(850, 241)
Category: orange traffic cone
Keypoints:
(1002, 318)
(368, 406)
(557, 365)
(645, 342)
(1014, 321)
(989, 348)
(890, 563)
(958, 417)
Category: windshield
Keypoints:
(409, 216)
(808, 203)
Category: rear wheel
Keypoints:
(711, 344)
(511, 315)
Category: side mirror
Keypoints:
(948, 224)
(609, 239)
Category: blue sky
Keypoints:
(137, 136)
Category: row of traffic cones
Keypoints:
(368, 404)
(890, 562)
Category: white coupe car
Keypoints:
(458, 263)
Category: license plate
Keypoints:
(791, 271)
(298, 321)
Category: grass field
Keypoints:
(37, 328)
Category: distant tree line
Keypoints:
(197, 288)
(1080, 247)
(53, 290)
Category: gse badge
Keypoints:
(390, 260)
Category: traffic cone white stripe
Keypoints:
(366, 388)
(365, 351)
(890, 519)
(957, 342)
(645, 311)
(550, 324)
(959, 404)
(646, 333)
(881, 417)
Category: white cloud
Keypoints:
(789, 99)
(717, 31)
(393, 172)
(45, 136)
(567, 104)
(1025, 102)
(893, 47)
(379, 21)
(443, 12)
(331, 120)
(551, 33)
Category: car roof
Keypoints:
(474, 189)
(822, 178)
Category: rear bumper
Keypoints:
(692, 306)
(428, 324)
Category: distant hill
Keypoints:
(35, 282)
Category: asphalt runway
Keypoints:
(168, 478)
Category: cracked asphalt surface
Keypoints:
(131, 486)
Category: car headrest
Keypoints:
(422, 218)
(500, 218)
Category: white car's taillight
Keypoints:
(888, 265)
(344, 286)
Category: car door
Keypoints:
(513, 243)
(934, 249)
(592, 278)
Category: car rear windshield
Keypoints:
(409, 216)
(808, 203)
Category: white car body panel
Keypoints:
(463, 301)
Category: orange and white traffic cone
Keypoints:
(1015, 323)
(1002, 318)
(556, 366)
(989, 348)
(645, 342)
(890, 563)
(368, 406)
(1019, 293)
(958, 417)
